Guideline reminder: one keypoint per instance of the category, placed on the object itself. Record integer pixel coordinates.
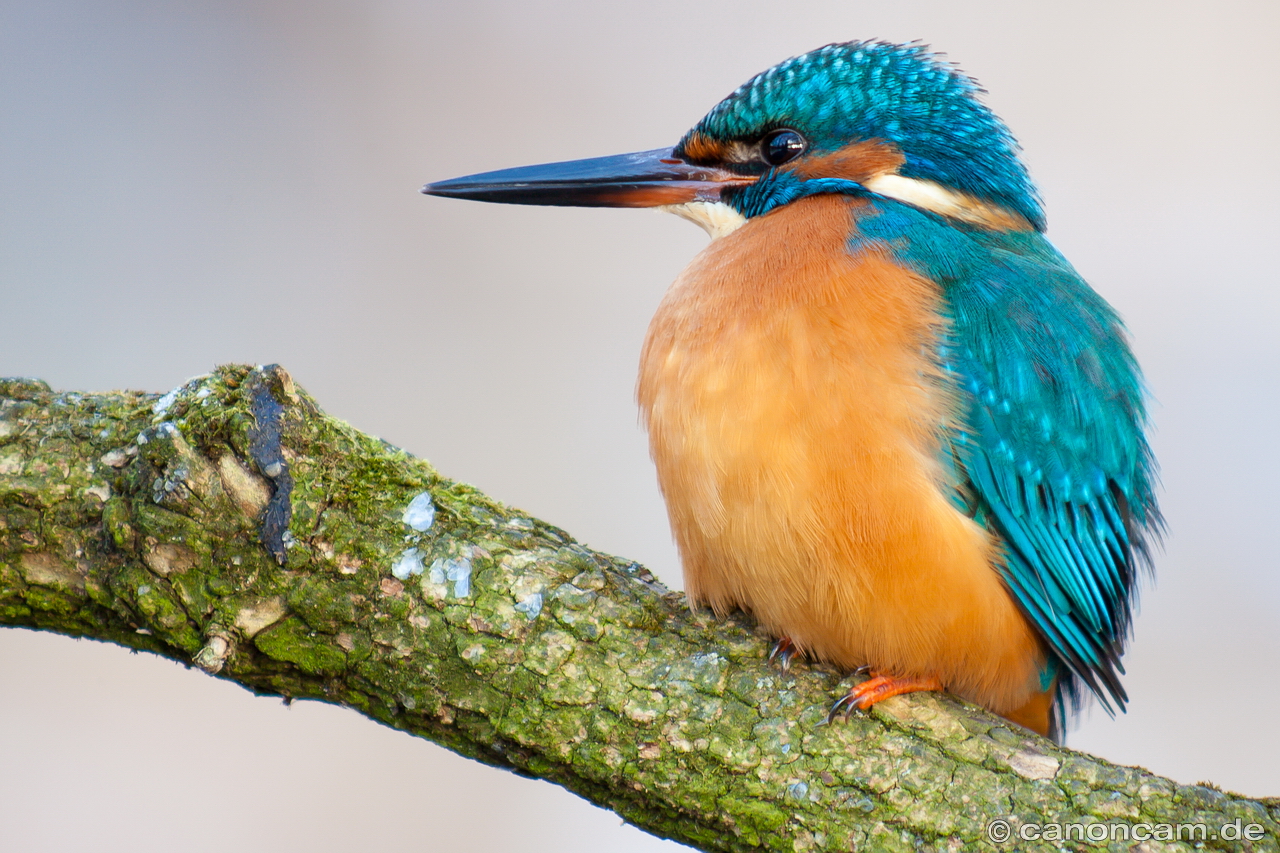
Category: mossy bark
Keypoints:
(232, 525)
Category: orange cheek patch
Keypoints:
(857, 162)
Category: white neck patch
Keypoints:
(714, 217)
(719, 219)
(936, 198)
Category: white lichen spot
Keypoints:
(1033, 765)
(798, 790)
(706, 659)
(473, 653)
(421, 512)
(162, 405)
(640, 713)
(214, 654)
(117, 458)
(146, 632)
(459, 571)
(253, 619)
(530, 605)
(144, 589)
(455, 570)
(202, 393)
(419, 620)
(407, 564)
(348, 568)
(102, 492)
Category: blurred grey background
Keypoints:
(187, 184)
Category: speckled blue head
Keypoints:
(904, 95)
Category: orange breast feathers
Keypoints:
(796, 420)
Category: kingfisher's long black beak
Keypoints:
(644, 179)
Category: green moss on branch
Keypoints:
(139, 519)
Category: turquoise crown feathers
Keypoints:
(903, 94)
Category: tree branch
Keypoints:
(231, 525)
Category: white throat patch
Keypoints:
(715, 217)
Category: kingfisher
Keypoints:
(888, 417)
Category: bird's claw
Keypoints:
(877, 688)
(842, 708)
(784, 651)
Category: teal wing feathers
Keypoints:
(1051, 452)
(1054, 449)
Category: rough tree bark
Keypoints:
(231, 525)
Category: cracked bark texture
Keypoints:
(232, 525)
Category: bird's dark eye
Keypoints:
(782, 145)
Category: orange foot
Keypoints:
(877, 688)
(784, 651)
